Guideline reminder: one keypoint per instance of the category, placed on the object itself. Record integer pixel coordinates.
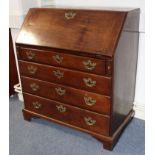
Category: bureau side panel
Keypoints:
(124, 72)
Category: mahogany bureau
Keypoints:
(78, 68)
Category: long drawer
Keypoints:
(68, 114)
(81, 80)
(86, 64)
(79, 98)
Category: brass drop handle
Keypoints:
(30, 55)
(36, 105)
(32, 69)
(58, 58)
(89, 121)
(89, 101)
(58, 74)
(89, 82)
(89, 65)
(34, 87)
(70, 15)
(61, 108)
(60, 91)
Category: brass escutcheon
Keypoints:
(36, 105)
(89, 101)
(61, 108)
(58, 58)
(34, 87)
(32, 69)
(89, 121)
(30, 55)
(60, 91)
(89, 82)
(58, 74)
(89, 65)
(70, 15)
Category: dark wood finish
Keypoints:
(63, 60)
(72, 96)
(107, 37)
(13, 76)
(70, 52)
(124, 73)
(72, 115)
(70, 77)
(50, 28)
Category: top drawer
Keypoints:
(86, 64)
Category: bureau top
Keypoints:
(90, 31)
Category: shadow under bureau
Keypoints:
(78, 68)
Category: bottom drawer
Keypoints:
(69, 114)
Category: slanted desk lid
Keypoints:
(90, 31)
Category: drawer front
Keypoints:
(85, 64)
(68, 95)
(68, 114)
(81, 80)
